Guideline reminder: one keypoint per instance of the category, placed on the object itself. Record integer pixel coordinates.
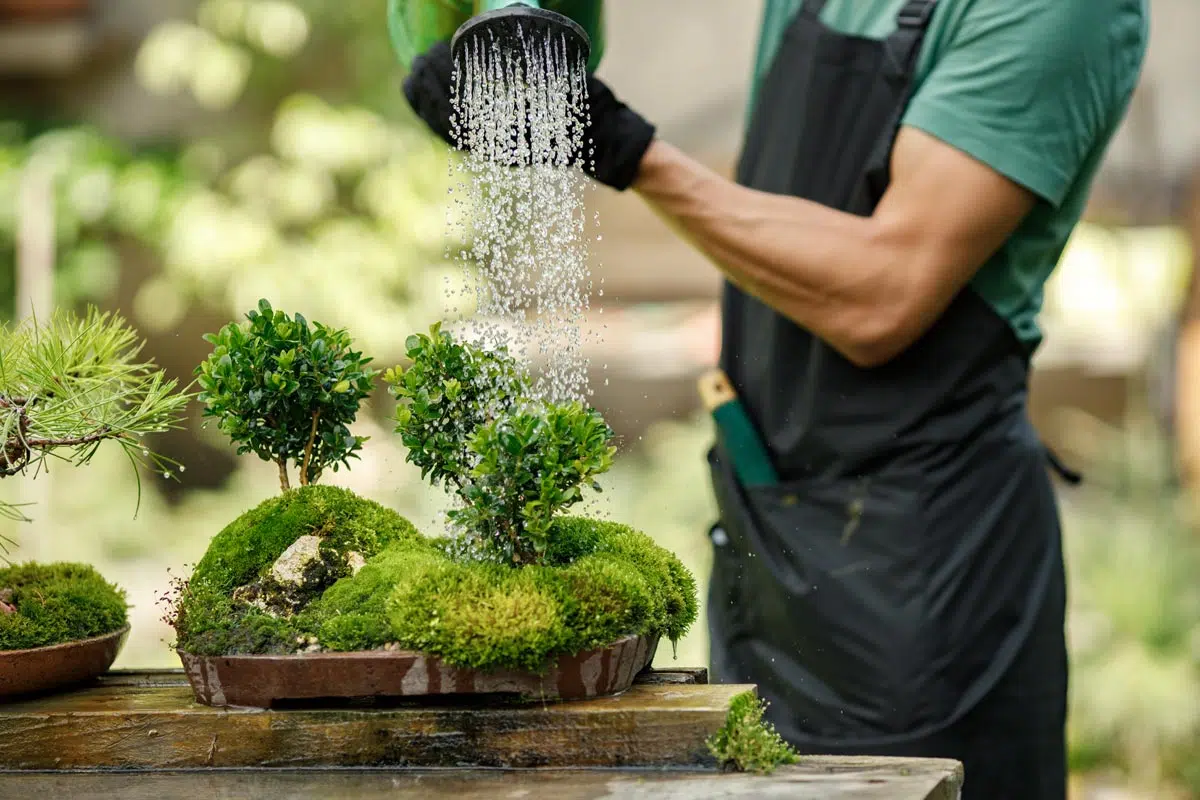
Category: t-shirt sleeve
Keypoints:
(1030, 88)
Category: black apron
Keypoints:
(901, 589)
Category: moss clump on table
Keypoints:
(746, 742)
(601, 581)
(49, 604)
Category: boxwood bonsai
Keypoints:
(286, 391)
(471, 424)
(531, 583)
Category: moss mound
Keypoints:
(48, 604)
(211, 621)
(601, 581)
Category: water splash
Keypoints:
(519, 203)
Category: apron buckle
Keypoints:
(916, 13)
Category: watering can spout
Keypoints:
(416, 25)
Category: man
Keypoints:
(911, 173)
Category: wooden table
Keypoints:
(819, 778)
(140, 735)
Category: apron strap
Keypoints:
(813, 7)
(911, 22)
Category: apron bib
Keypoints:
(885, 585)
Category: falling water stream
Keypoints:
(519, 202)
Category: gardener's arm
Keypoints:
(868, 286)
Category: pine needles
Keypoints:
(73, 383)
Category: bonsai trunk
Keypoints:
(308, 449)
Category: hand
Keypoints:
(615, 140)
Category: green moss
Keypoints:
(251, 543)
(57, 603)
(210, 622)
(601, 581)
(746, 742)
(673, 603)
(351, 615)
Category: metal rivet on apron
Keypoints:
(719, 537)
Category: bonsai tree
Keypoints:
(286, 390)
(317, 568)
(73, 383)
(470, 422)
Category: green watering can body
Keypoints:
(417, 25)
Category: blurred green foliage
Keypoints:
(314, 186)
(1133, 547)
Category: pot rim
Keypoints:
(124, 629)
(339, 655)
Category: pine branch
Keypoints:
(75, 382)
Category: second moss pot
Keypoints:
(279, 681)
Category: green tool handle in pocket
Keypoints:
(736, 434)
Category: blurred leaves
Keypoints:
(1134, 557)
(310, 182)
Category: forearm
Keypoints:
(838, 275)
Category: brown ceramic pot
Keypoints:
(41, 669)
(271, 681)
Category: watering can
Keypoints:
(416, 25)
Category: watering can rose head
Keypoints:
(471, 423)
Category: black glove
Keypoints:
(614, 142)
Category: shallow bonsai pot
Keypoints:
(265, 681)
(57, 666)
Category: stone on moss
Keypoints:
(344, 522)
(240, 596)
(57, 603)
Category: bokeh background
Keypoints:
(176, 160)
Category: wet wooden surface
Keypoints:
(150, 721)
(816, 778)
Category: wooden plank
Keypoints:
(816, 777)
(150, 721)
(176, 677)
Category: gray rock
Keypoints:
(289, 567)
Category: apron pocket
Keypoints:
(839, 599)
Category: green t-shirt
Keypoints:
(1035, 89)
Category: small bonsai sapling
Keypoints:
(469, 420)
(286, 390)
(69, 385)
